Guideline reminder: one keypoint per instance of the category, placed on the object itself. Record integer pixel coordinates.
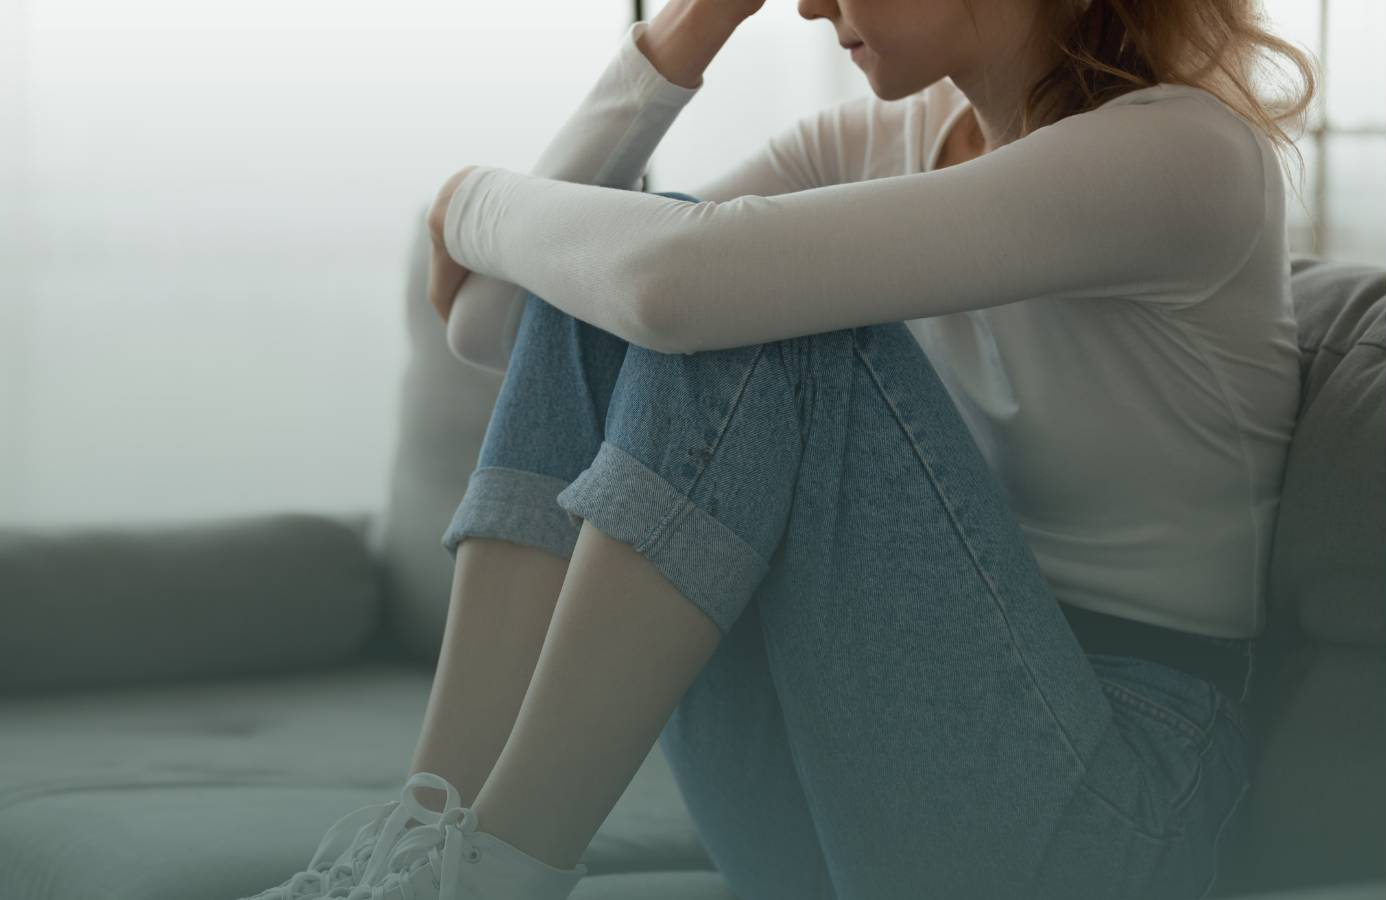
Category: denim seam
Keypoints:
(1157, 711)
(971, 550)
(1187, 794)
(792, 347)
(703, 460)
(667, 523)
(1160, 837)
(1082, 787)
(1217, 838)
(677, 511)
(787, 366)
(826, 891)
(1174, 807)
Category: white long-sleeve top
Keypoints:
(1106, 300)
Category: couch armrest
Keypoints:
(88, 605)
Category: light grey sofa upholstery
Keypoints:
(185, 709)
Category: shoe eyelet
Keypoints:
(473, 855)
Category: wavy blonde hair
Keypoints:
(1112, 47)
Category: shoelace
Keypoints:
(419, 848)
(383, 859)
(320, 878)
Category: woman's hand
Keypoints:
(445, 276)
(742, 9)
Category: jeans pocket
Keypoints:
(1167, 718)
(1165, 783)
(1183, 704)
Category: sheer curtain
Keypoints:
(205, 210)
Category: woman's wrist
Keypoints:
(684, 37)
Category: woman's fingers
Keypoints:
(438, 212)
(445, 276)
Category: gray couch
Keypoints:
(185, 709)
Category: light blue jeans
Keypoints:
(897, 708)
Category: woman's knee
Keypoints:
(795, 356)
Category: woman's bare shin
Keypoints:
(622, 649)
(503, 596)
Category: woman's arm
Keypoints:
(607, 141)
(1157, 196)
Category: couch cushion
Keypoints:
(1318, 706)
(662, 886)
(1314, 814)
(1328, 565)
(219, 790)
(108, 605)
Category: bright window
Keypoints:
(1343, 215)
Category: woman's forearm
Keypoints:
(685, 37)
(606, 141)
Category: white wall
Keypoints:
(14, 278)
(202, 310)
(208, 207)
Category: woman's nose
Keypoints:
(817, 9)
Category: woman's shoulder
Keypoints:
(1182, 125)
(1199, 114)
(1176, 106)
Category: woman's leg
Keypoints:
(511, 542)
(951, 737)
(546, 428)
(501, 603)
(654, 582)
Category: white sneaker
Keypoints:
(449, 859)
(369, 828)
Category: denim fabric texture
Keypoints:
(897, 708)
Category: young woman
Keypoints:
(912, 483)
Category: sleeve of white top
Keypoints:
(607, 141)
(1155, 197)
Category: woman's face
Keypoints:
(910, 44)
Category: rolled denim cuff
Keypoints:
(515, 505)
(705, 560)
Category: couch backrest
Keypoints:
(1315, 813)
(97, 605)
